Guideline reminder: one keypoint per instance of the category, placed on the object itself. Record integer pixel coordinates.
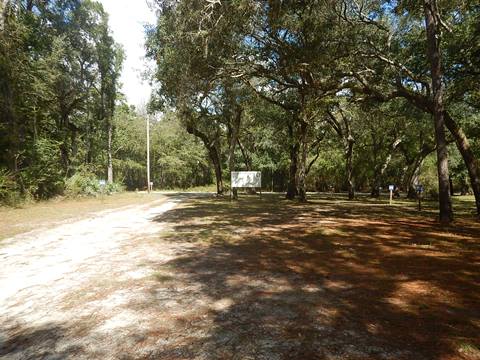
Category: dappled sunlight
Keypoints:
(267, 278)
(411, 295)
(303, 279)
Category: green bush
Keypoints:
(83, 183)
(114, 187)
(86, 183)
(9, 194)
(43, 178)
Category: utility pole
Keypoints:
(148, 153)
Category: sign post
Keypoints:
(102, 183)
(148, 153)
(391, 188)
(419, 189)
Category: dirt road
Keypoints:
(198, 277)
(61, 288)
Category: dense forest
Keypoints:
(59, 71)
(319, 95)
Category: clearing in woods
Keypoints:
(196, 277)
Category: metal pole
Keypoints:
(148, 153)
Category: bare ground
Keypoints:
(202, 278)
(48, 213)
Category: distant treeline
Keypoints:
(342, 95)
(319, 96)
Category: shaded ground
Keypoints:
(262, 279)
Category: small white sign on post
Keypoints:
(246, 179)
(391, 188)
(419, 188)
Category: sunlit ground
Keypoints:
(263, 278)
(28, 217)
(333, 277)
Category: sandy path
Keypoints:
(50, 279)
(203, 280)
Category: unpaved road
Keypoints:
(195, 277)
(62, 288)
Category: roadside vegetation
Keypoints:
(346, 97)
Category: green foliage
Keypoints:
(44, 178)
(83, 183)
(338, 90)
(113, 188)
(9, 194)
(178, 159)
(59, 69)
(86, 183)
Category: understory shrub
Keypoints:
(114, 187)
(86, 183)
(9, 194)
(43, 178)
(82, 183)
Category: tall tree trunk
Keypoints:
(213, 154)
(415, 180)
(292, 173)
(89, 150)
(468, 157)
(380, 170)
(302, 168)
(433, 52)
(109, 153)
(412, 178)
(235, 128)
(246, 159)
(350, 141)
(344, 133)
(35, 127)
(217, 164)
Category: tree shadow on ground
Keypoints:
(322, 280)
(39, 343)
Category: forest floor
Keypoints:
(191, 276)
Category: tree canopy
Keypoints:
(380, 84)
(319, 95)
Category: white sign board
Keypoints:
(391, 187)
(246, 179)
